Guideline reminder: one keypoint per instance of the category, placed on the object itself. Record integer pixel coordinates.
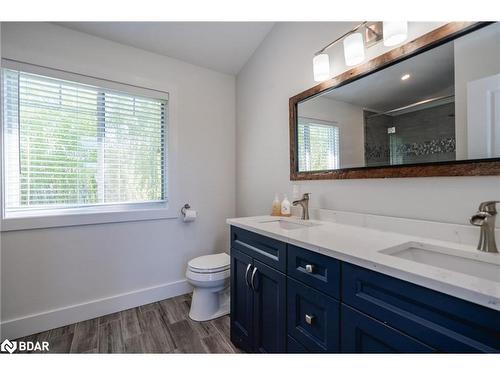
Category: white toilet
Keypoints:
(209, 276)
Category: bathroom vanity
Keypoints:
(323, 287)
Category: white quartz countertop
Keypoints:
(361, 246)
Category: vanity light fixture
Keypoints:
(404, 77)
(395, 32)
(354, 49)
(364, 35)
(321, 67)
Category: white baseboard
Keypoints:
(27, 325)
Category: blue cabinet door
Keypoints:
(363, 334)
(313, 318)
(269, 309)
(241, 301)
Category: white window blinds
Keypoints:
(68, 144)
(318, 145)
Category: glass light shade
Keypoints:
(354, 49)
(395, 32)
(321, 67)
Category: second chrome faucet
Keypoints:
(304, 202)
(485, 219)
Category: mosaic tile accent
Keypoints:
(376, 152)
(434, 146)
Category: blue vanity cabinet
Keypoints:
(301, 301)
(258, 296)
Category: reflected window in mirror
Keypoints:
(318, 144)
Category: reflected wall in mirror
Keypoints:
(439, 106)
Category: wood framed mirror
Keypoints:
(443, 119)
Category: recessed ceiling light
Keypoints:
(404, 77)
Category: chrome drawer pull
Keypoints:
(252, 283)
(309, 268)
(309, 319)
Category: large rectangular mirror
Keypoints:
(436, 106)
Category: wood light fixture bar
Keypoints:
(441, 35)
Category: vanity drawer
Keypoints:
(316, 270)
(313, 318)
(443, 322)
(267, 250)
(363, 334)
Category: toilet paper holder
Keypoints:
(184, 208)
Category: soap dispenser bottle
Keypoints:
(276, 209)
(285, 207)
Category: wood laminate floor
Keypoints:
(160, 327)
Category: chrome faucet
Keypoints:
(304, 202)
(485, 218)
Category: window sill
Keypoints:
(84, 216)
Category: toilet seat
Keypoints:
(213, 263)
(208, 276)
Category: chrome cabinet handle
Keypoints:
(246, 275)
(309, 268)
(309, 319)
(253, 278)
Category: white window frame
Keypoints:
(98, 214)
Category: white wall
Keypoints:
(349, 119)
(282, 67)
(51, 269)
(477, 55)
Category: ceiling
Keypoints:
(431, 75)
(222, 46)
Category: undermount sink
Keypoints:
(481, 265)
(289, 224)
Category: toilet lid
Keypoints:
(213, 263)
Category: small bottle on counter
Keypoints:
(285, 207)
(276, 209)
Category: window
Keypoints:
(318, 145)
(69, 145)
